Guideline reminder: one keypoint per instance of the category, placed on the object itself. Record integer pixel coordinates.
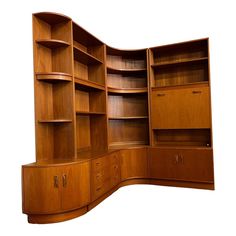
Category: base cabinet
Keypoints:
(54, 189)
(182, 164)
(134, 163)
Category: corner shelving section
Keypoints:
(53, 87)
(179, 71)
(127, 88)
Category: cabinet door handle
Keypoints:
(182, 159)
(160, 94)
(64, 180)
(56, 184)
(196, 91)
(176, 159)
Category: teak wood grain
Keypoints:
(107, 118)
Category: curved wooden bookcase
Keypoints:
(107, 118)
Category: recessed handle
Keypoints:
(64, 180)
(196, 91)
(161, 94)
(56, 183)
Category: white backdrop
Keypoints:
(133, 210)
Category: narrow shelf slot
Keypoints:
(89, 113)
(127, 117)
(54, 121)
(125, 71)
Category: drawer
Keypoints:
(182, 164)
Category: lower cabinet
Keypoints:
(134, 163)
(54, 189)
(182, 164)
(105, 174)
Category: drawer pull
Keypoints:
(176, 159)
(160, 95)
(99, 188)
(182, 159)
(56, 184)
(196, 91)
(97, 163)
(64, 180)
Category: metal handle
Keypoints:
(196, 91)
(160, 94)
(176, 159)
(64, 180)
(56, 184)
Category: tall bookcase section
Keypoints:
(127, 88)
(90, 91)
(180, 95)
(53, 86)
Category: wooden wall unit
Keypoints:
(107, 118)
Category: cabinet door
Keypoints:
(114, 163)
(41, 190)
(75, 185)
(182, 164)
(134, 163)
(181, 108)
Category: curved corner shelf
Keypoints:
(53, 76)
(113, 70)
(84, 57)
(52, 43)
(127, 90)
(52, 17)
(54, 121)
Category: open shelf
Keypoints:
(182, 137)
(127, 90)
(52, 43)
(126, 71)
(52, 77)
(55, 121)
(89, 113)
(127, 117)
(181, 62)
(90, 85)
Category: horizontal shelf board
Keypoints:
(125, 71)
(183, 62)
(127, 117)
(55, 121)
(53, 76)
(131, 144)
(88, 84)
(90, 113)
(127, 90)
(179, 86)
(52, 43)
(84, 57)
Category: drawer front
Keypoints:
(105, 174)
(181, 108)
(182, 164)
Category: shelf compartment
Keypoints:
(126, 60)
(52, 77)
(87, 84)
(89, 113)
(52, 27)
(90, 101)
(123, 71)
(181, 74)
(54, 101)
(87, 44)
(127, 105)
(127, 117)
(52, 43)
(84, 57)
(56, 140)
(179, 52)
(91, 132)
(128, 132)
(182, 137)
(127, 90)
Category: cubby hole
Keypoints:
(182, 137)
